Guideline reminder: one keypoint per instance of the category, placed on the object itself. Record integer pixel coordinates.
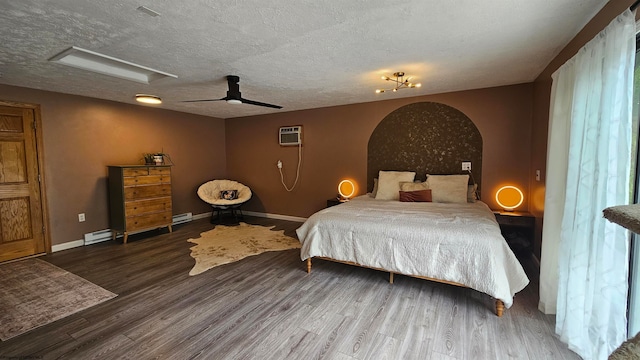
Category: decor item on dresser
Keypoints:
(139, 198)
(159, 158)
(224, 196)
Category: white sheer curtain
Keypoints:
(584, 263)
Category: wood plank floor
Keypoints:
(267, 307)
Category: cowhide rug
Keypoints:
(226, 244)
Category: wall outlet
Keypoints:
(466, 166)
(81, 217)
(279, 164)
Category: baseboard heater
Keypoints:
(182, 218)
(97, 236)
(107, 234)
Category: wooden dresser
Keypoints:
(139, 198)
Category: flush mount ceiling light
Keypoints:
(148, 99)
(400, 82)
(107, 65)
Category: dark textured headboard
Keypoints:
(424, 137)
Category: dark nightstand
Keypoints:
(518, 229)
(334, 202)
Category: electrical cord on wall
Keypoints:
(297, 171)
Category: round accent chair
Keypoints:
(224, 196)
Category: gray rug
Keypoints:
(34, 293)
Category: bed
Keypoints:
(458, 244)
(455, 242)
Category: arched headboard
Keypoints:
(424, 137)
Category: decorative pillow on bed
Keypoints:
(416, 196)
(229, 194)
(448, 188)
(471, 193)
(389, 183)
(413, 186)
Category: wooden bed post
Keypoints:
(499, 307)
(390, 278)
(309, 266)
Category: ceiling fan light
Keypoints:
(417, 85)
(148, 99)
(234, 101)
(378, 91)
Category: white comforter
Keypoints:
(454, 242)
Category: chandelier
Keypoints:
(400, 82)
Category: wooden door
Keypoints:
(21, 210)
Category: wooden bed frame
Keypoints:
(421, 130)
(499, 303)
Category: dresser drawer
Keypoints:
(160, 171)
(135, 171)
(135, 208)
(146, 180)
(147, 191)
(149, 221)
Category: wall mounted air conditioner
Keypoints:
(290, 135)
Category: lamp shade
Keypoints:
(346, 189)
(509, 197)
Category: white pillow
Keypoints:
(389, 183)
(448, 188)
(413, 186)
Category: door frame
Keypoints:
(40, 154)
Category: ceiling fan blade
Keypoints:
(234, 95)
(251, 102)
(224, 98)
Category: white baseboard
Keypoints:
(275, 216)
(67, 245)
(258, 214)
(78, 243)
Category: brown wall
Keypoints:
(541, 103)
(83, 135)
(335, 147)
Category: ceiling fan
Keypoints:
(234, 97)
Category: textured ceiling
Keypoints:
(298, 54)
